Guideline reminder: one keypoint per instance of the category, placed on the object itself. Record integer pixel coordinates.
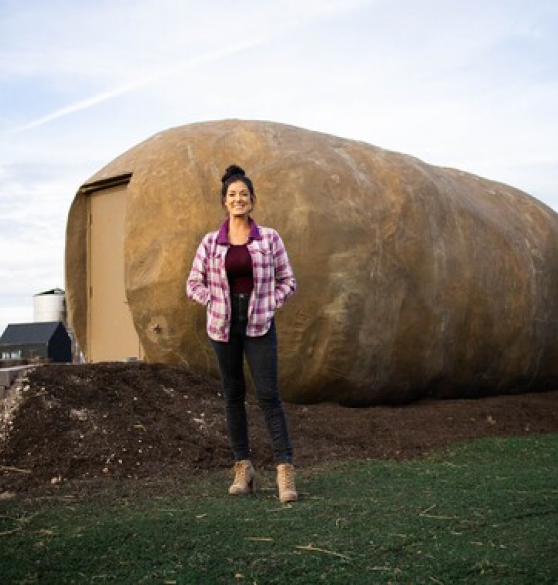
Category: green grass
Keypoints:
(482, 512)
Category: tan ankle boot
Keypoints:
(286, 483)
(243, 478)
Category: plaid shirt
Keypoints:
(208, 284)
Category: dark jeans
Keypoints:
(261, 354)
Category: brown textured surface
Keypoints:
(92, 423)
(76, 260)
(413, 280)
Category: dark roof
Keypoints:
(53, 291)
(22, 333)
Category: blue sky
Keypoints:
(471, 85)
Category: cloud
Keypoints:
(457, 84)
(131, 86)
(15, 313)
(258, 27)
(30, 224)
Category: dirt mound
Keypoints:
(137, 420)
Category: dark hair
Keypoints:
(232, 174)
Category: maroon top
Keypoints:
(238, 265)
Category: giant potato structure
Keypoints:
(413, 280)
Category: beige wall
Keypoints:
(110, 329)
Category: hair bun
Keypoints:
(232, 170)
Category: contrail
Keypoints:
(135, 84)
(315, 9)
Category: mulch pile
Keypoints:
(75, 423)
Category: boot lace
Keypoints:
(286, 477)
(241, 472)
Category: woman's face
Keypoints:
(237, 199)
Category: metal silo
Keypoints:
(50, 305)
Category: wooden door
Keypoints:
(111, 332)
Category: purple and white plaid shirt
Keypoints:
(208, 284)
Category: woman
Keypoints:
(242, 274)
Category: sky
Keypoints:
(470, 84)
